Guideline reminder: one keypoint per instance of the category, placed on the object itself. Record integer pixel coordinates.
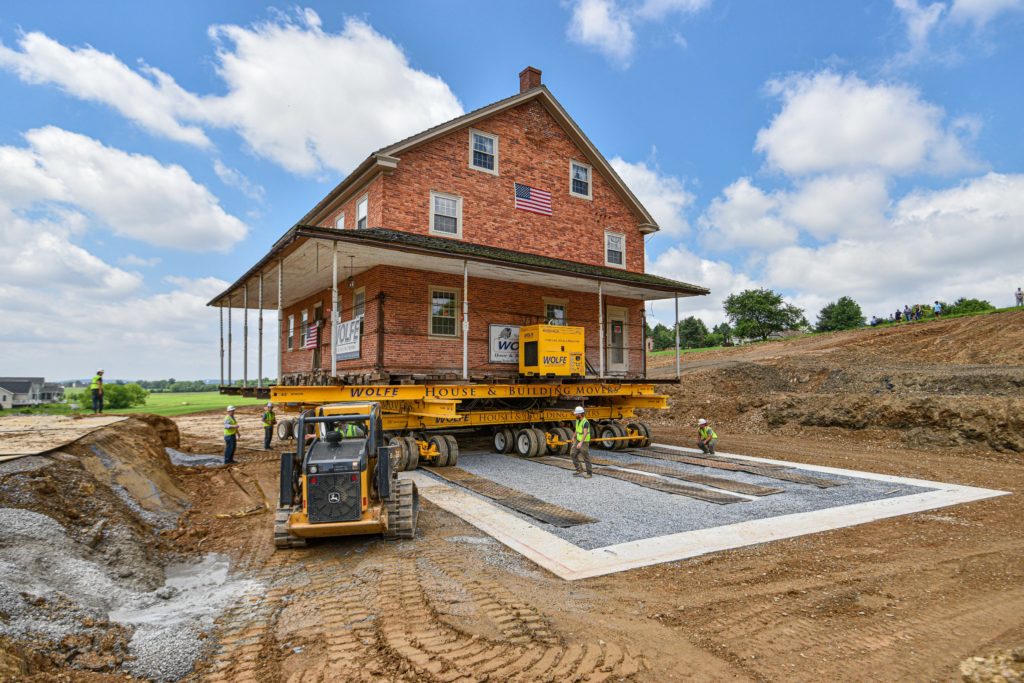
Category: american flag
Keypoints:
(531, 199)
(312, 335)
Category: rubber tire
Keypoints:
(564, 434)
(504, 441)
(442, 450)
(285, 430)
(645, 432)
(398, 443)
(453, 451)
(620, 431)
(413, 460)
(607, 431)
(403, 508)
(542, 442)
(526, 443)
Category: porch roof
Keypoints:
(308, 265)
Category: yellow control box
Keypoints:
(551, 351)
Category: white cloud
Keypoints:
(133, 261)
(603, 25)
(234, 178)
(842, 205)
(156, 103)
(664, 196)
(745, 216)
(940, 244)
(132, 195)
(658, 9)
(295, 93)
(679, 263)
(980, 12)
(920, 22)
(831, 123)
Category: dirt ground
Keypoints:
(903, 599)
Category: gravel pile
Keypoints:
(627, 512)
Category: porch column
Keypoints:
(643, 337)
(259, 344)
(229, 340)
(221, 309)
(334, 305)
(465, 320)
(280, 321)
(600, 326)
(245, 335)
(678, 372)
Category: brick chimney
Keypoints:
(529, 78)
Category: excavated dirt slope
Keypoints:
(948, 384)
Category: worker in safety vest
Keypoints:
(349, 430)
(269, 420)
(581, 444)
(706, 437)
(230, 436)
(96, 389)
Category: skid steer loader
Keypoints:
(342, 480)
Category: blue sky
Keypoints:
(869, 149)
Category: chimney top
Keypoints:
(529, 78)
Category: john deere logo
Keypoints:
(334, 497)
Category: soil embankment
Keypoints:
(946, 384)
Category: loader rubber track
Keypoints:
(403, 509)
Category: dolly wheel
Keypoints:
(412, 458)
(542, 442)
(526, 443)
(403, 508)
(453, 451)
(563, 434)
(441, 444)
(397, 443)
(645, 433)
(283, 539)
(504, 441)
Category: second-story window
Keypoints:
(291, 332)
(483, 151)
(445, 214)
(615, 249)
(359, 303)
(304, 329)
(361, 210)
(339, 222)
(579, 180)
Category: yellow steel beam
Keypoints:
(482, 418)
(453, 392)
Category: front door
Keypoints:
(618, 355)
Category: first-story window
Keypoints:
(444, 306)
(554, 313)
(445, 214)
(615, 249)
(291, 332)
(361, 212)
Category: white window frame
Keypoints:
(363, 202)
(355, 297)
(564, 303)
(339, 222)
(590, 180)
(606, 261)
(494, 138)
(458, 214)
(304, 328)
(430, 312)
(291, 332)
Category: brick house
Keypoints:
(443, 244)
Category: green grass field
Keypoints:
(158, 404)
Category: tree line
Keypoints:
(760, 313)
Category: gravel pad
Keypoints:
(626, 512)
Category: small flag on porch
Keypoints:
(531, 199)
(312, 335)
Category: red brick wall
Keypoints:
(533, 150)
(374, 191)
(408, 348)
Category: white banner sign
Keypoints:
(346, 339)
(504, 343)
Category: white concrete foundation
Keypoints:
(571, 562)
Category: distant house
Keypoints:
(6, 399)
(30, 391)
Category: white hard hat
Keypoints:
(230, 408)
(579, 410)
(270, 405)
(702, 421)
(100, 371)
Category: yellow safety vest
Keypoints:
(349, 430)
(96, 382)
(703, 432)
(582, 430)
(269, 418)
(230, 426)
